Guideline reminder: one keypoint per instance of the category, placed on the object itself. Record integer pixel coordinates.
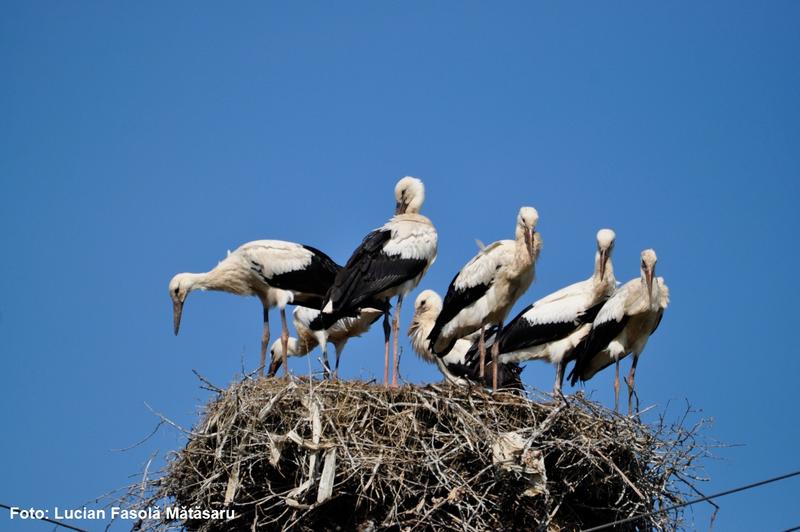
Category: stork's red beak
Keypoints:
(529, 241)
(603, 259)
(274, 364)
(400, 208)
(177, 310)
(649, 277)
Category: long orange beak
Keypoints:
(603, 259)
(649, 277)
(529, 240)
(177, 310)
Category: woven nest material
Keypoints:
(310, 455)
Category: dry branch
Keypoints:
(310, 455)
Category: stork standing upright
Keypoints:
(623, 326)
(460, 365)
(553, 326)
(486, 288)
(390, 262)
(338, 334)
(277, 272)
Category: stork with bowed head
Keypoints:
(623, 325)
(460, 365)
(277, 272)
(390, 262)
(338, 334)
(486, 288)
(551, 328)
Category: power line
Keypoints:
(53, 521)
(695, 501)
(793, 529)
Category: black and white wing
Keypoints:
(303, 270)
(396, 253)
(551, 318)
(609, 323)
(467, 287)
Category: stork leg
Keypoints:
(396, 332)
(496, 357)
(630, 382)
(338, 354)
(386, 332)
(616, 387)
(284, 342)
(559, 380)
(482, 349)
(264, 342)
(326, 366)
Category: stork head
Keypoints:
(605, 245)
(648, 268)
(427, 302)
(179, 288)
(527, 219)
(410, 194)
(276, 353)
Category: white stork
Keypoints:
(623, 326)
(552, 327)
(460, 365)
(277, 272)
(390, 262)
(338, 334)
(484, 291)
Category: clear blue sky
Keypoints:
(138, 140)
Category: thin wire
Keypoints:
(695, 501)
(53, 521)
(793, 529)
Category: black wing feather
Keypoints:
(454, 302)
(521, 333)
(598, 340)
(316, 278)
(591, 313)
(370, 271)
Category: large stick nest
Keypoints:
(311, 455)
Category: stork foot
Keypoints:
(560, 396)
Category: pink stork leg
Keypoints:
(616, 387)
(396, 331)
(482, 349)
(496, 357)
(630, 382)
(559, 379)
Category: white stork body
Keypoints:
(390, 262)
(623, 326)
(484, 291)
(338, 334)
(551, 328)
(277, 272)
(460, 365)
